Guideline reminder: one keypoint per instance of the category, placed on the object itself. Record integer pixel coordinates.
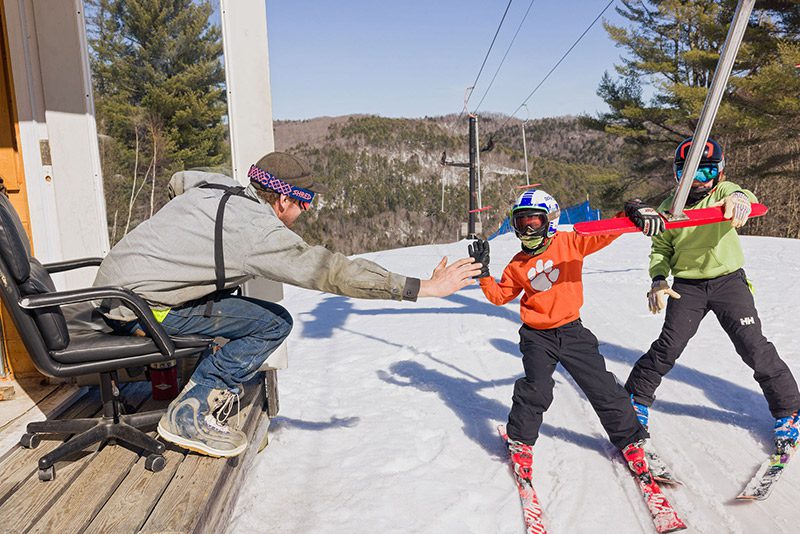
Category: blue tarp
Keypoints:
(577, 213)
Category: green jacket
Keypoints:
(699, 252)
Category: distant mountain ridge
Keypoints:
(387, 181)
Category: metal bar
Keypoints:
(473, 164)
(525, 155)
(718, 84)
(478, 165)
(442, 188)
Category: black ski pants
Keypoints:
(730, 299)
(576, 348)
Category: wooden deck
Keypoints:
(108, 490)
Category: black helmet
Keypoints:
(713, 159)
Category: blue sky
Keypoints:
(412, 58)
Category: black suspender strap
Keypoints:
(219, 251)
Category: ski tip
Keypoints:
(675, 524)
(750, 498)
(501, 429)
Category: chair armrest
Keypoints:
(68, 265)
(131, 299)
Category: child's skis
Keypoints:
(658, 467)
(665, 518)
(531, 509)
(761, 485)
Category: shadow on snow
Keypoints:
(735, 405)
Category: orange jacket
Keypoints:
(551, 280)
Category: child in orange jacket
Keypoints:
(548, 273)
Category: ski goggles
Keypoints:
(705, 173)
(530, 223)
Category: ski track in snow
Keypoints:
(388, 411)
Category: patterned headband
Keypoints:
(270, 181)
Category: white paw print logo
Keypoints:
(543, 275)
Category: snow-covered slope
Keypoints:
(389, 409)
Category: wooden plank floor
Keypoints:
(33, 401)
(108, 490)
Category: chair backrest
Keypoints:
(41, 330)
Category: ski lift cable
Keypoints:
(504, 56)
(563, 57)
(486, 57)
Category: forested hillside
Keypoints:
(160, 101)
(387, 180)
(670, 50)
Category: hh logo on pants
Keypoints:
(747, 320)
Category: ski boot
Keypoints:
(637, 459)
(521, 458)
(642, 413)
(787, 430)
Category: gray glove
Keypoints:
(737, 208)
(657, 296)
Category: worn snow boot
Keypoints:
(521, 458)
(642, 413)
(197, 420)
(637, 459)
(787, 430)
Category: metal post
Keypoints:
(525, 145)
(718, 84)
(478, 168)
(442, 189)
(525, 152)
(473, 159)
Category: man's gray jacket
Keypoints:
(169, 259)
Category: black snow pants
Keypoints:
(730, 299)
(576, 348)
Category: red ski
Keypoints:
(665, 518)
(531, 509)
(697, 217)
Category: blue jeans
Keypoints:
(253, 328)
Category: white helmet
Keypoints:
(535, 214)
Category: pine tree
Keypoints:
(671, 50)
(159, 96)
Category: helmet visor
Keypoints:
(705, 173)
(530, 223)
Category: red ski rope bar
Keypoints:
(270, 181)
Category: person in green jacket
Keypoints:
(706, 264)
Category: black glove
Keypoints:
(644, 217)
(479, 251)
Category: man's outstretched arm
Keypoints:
(447, 279)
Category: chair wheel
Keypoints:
(47, 474)
(30, 441)
(155, 463)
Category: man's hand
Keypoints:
(737, 208)
(644, 217)
(657, 296)
(479, 251)
(447, 279)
